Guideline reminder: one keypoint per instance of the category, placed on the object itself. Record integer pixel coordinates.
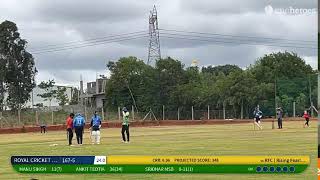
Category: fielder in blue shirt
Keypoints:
(78, 124)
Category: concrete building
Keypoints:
(35, 99)
(94, 95)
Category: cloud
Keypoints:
(44, 23)
(70, 77)
(312, 60)
(208, 7)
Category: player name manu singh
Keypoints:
(32, 169)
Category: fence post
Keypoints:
(241, 110)
(208, 112)
(132, 109)
(294, 109)
(1, 119)
(162, 112)
(192, 113)
(85, 112)
(51, 117)
(178, 114)
(119, 115)
(312, 110)
(224, 112)
(37, 120)
(19, 116)
(102, 112)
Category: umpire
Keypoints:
(125, 126)
(279, 116)
(69, 128)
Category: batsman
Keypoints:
(257, 117)
(95, 126)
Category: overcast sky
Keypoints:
(44, 22)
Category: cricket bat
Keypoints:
(90, 133)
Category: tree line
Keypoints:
(276, 79)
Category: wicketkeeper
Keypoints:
(95, 126)
(257, 117)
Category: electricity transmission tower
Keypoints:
(154, 41)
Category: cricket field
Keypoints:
(230, 139)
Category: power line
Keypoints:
(218, 34)
(88, 41)
(93, 44)
(229, 42)
(232, 39)
(185, 35)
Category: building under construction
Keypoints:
(94, 95)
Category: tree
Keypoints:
(284, 74)
(171, 74)
(132, 82)
(242, 91)
(286, 103)
(169, 83)
(75, 96)
(49, 93)
(225, 69)
(301, 102)
(39, 105)
(17, 67)
(280, 65)
(62, 96)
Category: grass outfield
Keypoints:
(236, 139)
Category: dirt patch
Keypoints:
(26, 129)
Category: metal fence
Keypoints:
(58, 115)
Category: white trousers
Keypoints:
(95, 137)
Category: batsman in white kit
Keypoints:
(95, 126)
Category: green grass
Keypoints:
(237, 139)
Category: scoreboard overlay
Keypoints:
(160, 164)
